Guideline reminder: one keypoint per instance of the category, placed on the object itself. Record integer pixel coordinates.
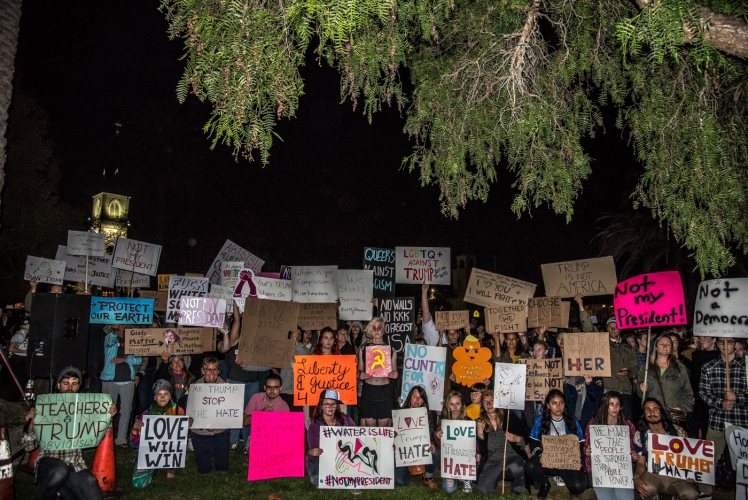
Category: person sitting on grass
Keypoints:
(417, 398)
(327, 412)
(269, 400)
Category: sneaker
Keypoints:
(234, 447)
(467, 487)
(189, 445)
(559, 481)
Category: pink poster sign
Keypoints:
(276, 445)
(378, 360)
(654, 299)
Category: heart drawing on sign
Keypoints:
(408, 420)
(506, 318)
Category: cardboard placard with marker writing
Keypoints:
(544, 311)
(587, 354)
(154, 341)
(561, 452)
(494, 290)
(267, 326)
(451, 320)
(317, 316)
(589, 277)
(504, 319)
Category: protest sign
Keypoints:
(414, 266)
(202, 311)
(505, 319)
(355, 290)
(275, 289)
(544, 311)
(382, 262)
(230, 273)
(317, 316)
(682, 458)
(163, 442)
(182, 286)
(159, 299)
(277, 445)
(472, 362)
(154, 341)
(216, 406)
(133, 255)
(266, 333)
(494, 290)
(737, 442)
(654, 299)
(315, 284)
(313, 374)
(223, 292)
(121, 310)
(451, 320)
(412, 440)
(542, 376)
(267, 274)
(721, 308)
(399, 315)
(425, 366)
(78, 268)
(286, 273)
(86, 243)
(586, 276)
(741, 480)
(458, 449)
(131, 279)
(378, 360)
(231, 252)
(562, 452)
(357, 458)
(194, 275)
(586, 354)
(510, 383)
(163, 282)
(71, 421)
(611, 457)
(44, 270)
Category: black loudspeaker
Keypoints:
(58, 333)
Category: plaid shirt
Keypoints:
(712, 390)
(71, 457)
(641, 357)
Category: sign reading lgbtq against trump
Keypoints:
(721, 308)
(216, 406)
(120, 310)
(163, 442)
(681, 458)
(357, 458)
(654, 299)
(587, 276)
(277, 444)
(138, 256)
(415, 266)
(71, 421)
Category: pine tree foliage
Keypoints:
(501, 89)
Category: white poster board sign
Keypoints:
(131, 279)
(458, 449)
(232, 252)
(355, 290)
(356, 458)
(163, 442)
(182, 286)
(741, 480)
(230, 273)
(202, 311)
(737, 442)
(721, 308)
(274, 289)
(85, 243)
(216, 406)
(44, 270)
(223, 292)
(681, 458)
(425, 366)
(611, 457)
(315, 284)
(100, 271)
(510, 383)
(138, 256)
(414, 265)
(412, 440)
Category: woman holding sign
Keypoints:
(417, 398)
(454, 410)
(556, 420)
(377, 398)
(327, 412)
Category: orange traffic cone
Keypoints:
(104, 466)
(30, 465)
(7, 481)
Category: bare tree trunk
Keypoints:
(10, 19)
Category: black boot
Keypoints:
(543, 493)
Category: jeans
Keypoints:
(312, 468)
(490, 476)
(125, 392)
(402, 474)
(145, 389)
(250, 389)
(207, 447)
(53, 476)
(614, 493)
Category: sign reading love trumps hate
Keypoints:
(654, 299)
(312, 375)
(414, 266)
(681, 458)
(120, 310)
(277, 445)
(138, 256)
(721, 308)
(163, 442)
(425, 366)
(71, 421)
(412, 440)
(216, 406)
(458, 449)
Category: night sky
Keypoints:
(333, 185)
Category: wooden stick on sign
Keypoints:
(646, 364)
(503, 483)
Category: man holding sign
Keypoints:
(63, 471)
(210, 443)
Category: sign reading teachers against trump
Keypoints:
(721, 308)
(216, 406)
(121, 310)
(586, 276)
(425, 366)
(277, 444)
(315, 283)
(163, 442)
(86, 243)
(356, 458)
(138, 256)
(182, 286)
(681, 458)
(458, 450)
(412, 440)
(494, 290)
(355, 292)
(417, 265)
(71, 421)
(202, 311)
(611, 456)
(382, 262)
(232, 252)
(654, 299)
(44, 270)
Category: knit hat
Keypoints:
(162, 385)
(65, 373)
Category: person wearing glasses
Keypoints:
(210, 443)
(378, 394)
(724, 394)
(328, 413)
(269, 400)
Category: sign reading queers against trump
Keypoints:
(721, 308)
(70, 421)
(163, 442)
(121, 310)
(587, 276)
(654, 299)
(414, 266)
(216, 406)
